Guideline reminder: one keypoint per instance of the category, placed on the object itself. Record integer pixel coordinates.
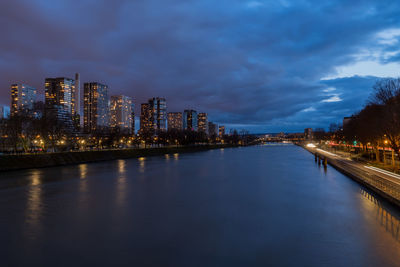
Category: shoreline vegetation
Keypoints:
(14, 162)
(371, 135)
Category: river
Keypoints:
(251, 206)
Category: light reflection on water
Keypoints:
(389, 221)
(121, 182)
(222, 207)
(142, 164)
(35, 177)
(34, 206)
(121, 166)
(83, 184)
(83, 168)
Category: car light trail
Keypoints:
(329, 153)
(383, 171)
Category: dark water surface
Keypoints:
(254, 206)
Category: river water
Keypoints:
(253, 206)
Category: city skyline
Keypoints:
(200, 133)
(287, 68)
(100, 110)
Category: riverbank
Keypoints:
(384, 183)
(42, 160)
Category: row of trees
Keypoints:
(24, 133)
(378, 123)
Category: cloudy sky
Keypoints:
(267, 66)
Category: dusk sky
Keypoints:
(265, 66)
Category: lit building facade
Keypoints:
(175, 121)
(202, 122)
(59, 100)
(190, 120)
(22, 98)
(153, 115)
(76, 96)
(96, 107)
(146, 123)
(4, 112)
(221, 131)
(61, 91)
(212, 129)
(159, 113)
(133, 118)
(121, 113)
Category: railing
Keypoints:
(389, 187)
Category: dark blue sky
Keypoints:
(279, 65)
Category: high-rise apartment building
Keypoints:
(202, 122)
(175, 121)
(59, 100)
(133, 118)
(159, 113)
(61, 92)
(212, 129)
(121, 113)
(96, 107)
(153, 115)
(4, 112)
(146, 123)
(190, 120)
(22, 98)
(77, 95)
(221, 131)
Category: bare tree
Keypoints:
(387, 96)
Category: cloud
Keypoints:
(329, 89)
(259, 66)
(379, 58)
(310, 109)
(254, 4)
(353, 91)
(389, 36)
(333, 98)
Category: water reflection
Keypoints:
(35, 177)
(167, 157)
(117, 211)
(142, 164)
(83, 170)
(34, 204)
(121, 182)
(121, 166)
(383, 216)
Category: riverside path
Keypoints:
(385, 183)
